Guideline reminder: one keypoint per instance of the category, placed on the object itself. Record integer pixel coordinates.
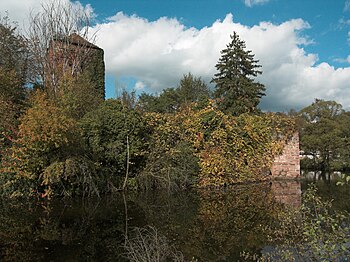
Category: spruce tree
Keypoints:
(236, 90)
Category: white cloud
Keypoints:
(343, 22)
(139, 86)
(250, 3)
(342, 60)
(19, 11)
(87, 9)
(158, 53)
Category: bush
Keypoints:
(149, 245)
(211, 148)
(46, 135)
(73, 176)
(314, 232)
(106, 132)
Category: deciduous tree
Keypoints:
(57, 41)
(108, 131)
(323, 135)
(190, 89)
(13, 76)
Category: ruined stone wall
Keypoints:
(287, 165)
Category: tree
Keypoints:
(148, 102)
(323, 135)
(57, 42)
(13, 76)
(10, 106)
(235, 86)
(167, 102)
(114, 133)
(190, 89)
(46, 134)
(321, 109)
(14, 53)
(77, 95)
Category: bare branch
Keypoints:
(59, 41)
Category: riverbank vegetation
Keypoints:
(312, 232)
(59, 138)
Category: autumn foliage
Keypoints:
(222, 149)
(61, 138)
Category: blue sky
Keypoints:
(324, 16)
(303, 45)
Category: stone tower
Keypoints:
(76, 55)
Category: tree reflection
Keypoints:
(207, 225)
(231, 221)
(77, 231)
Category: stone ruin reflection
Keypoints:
(287, 192)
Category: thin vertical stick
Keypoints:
(127, 162)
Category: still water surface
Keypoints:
(203, 226)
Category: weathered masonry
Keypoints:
(76, 55)
(287, 165)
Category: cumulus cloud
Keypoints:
(158, 53)
(250, 3)
(19, 11)
(139, 86)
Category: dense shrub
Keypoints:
(110, 132)
(223, 148)
(46, 135)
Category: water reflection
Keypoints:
(203, 225)
(322, 175)
(71, 231)
(287, 192)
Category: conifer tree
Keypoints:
(235, 86)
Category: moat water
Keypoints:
(194, 225)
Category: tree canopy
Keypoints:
(190, 89)
(13, 75)
(324, 135)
